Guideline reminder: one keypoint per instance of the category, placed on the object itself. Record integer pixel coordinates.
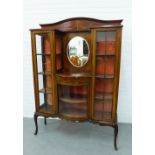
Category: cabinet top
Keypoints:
(81, 24)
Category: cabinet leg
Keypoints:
(45, 122)
(115, 136)
(36, 124)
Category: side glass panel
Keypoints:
(105, 73)
(44, 68)
(73, 101)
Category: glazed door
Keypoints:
(73, 101)
(105, 74)
(44, 70)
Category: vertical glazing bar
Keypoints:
(53, 72)
(43, 67)
(93, 46)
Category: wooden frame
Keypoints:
(71, 76)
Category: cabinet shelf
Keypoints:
(103, 96)
(44, 54)
(100, 55)
(104, 76)
(46, 90)
(58, 53)
(44, 73)
(74, 113)
(73, 100)
(101, 114)
(45, 107)
(66, 74)
(48, 54)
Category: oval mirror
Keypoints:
(78, 51)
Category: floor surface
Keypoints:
(67, 138)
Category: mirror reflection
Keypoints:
(78, 51)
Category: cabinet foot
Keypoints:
(115, 136)
(36, 124)
(45, 122)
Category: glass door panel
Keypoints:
(44, 64)
(46, 104)
(44, 71)
(73, 101)
(110, 42)
(105, 65)
(105, 42)
(105, 74)
(100, 42)
(42, 43)
(105, 52)
(103, 98)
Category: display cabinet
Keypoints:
(76, 65)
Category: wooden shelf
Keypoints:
(100, 55)
(84, 75)
(59, 53)
(44, 54)
(78, 94)
(74, 106)
(104, 76)
(101, 114)
(103, 96)
(74, 113)
(73, 100)
(66, 74)
(46, 90)
(45, 107)
(44, 73)
(47, 54)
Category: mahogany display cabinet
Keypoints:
(76, 66)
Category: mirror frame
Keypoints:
(68, 52)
